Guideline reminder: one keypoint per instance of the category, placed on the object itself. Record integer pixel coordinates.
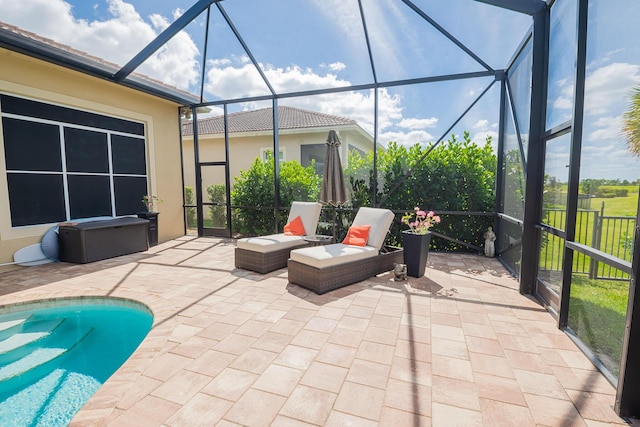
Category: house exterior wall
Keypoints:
(243, 150)
(37, 80)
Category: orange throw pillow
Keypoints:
(294, 228)
(357, 235)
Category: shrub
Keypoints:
(191, 212)
(217, 194)
(454, 176)
(254, 193)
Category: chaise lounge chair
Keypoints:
(268, 253)
(325, 268)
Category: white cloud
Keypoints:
(226, 81)
(405, 138)
(412, 123)
(605, 128)
(117, 39)
(482, 124)
(607, 85)
(337, 66)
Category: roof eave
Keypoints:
(32, 48)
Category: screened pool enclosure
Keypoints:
(511, 114)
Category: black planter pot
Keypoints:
(416, 250)
(152, 217)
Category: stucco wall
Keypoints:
(244, 149)
(34, 79)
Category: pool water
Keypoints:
(52, 359)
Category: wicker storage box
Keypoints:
(96, 240)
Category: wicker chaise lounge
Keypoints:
(325, 268)
(268, 253)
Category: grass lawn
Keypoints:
(597, 313)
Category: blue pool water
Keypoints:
(52, 359)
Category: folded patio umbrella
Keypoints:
(334, 190)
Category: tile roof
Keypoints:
(261, 120)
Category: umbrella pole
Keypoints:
(334, 223)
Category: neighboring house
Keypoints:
(76, 144)
(302, 136)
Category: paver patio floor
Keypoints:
(458, 347)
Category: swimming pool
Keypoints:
(55, 354)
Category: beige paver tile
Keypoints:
(409, 349)
(451, 368)
(369, 373)
(375, 352)
(296, 357)
(211, 363)
(499, 388)
(518, 343)
(479, 330)
(353, 323)
(501, 414)
(298, 405)
(455, 392)
(411, 371)
(527, 361)
(230, 384)
(142, 386)
(253, 328)
(201, 410)
(235, 344)
(385, 322)
(254, 360)
(300, 314)
(194, 346)
(166, 365)
(340, 419)
(541, 384)
(324, 377)
(446, 319)
(310, 339)
(594, 406)
(182, 387)
(335, 354)
(583, 380)
(288, 326)
(321, 324)
(147, 412)
(381, 335)
(255, 408)
(251, 336)
(408, 397)
(360, 400)
(453, 416)
(346, 337)
(279, 380)
(550, 411)
(272, 341)
(450, 348)
(392, 417)
(484, 345)
(491, 365)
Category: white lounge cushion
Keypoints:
(330, 255)
(380, 221)
(270, 243)
(309, 213)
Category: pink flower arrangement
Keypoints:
(419, 221)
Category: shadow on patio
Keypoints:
(459, 346)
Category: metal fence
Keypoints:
(610, 234)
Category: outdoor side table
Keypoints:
(318, 239)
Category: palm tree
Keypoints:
(631, 127)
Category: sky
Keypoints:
(320, 44)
